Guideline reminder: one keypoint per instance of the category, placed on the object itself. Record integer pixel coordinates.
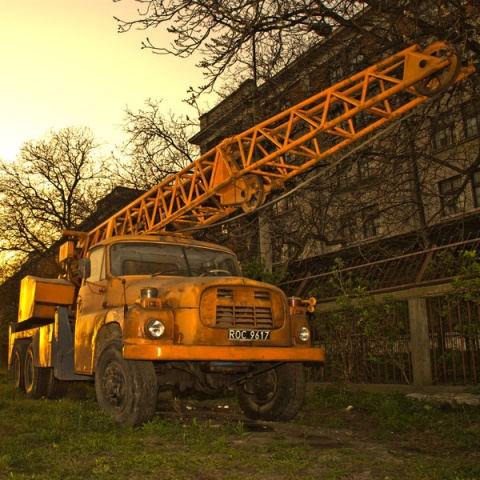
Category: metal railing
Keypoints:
(354, 355)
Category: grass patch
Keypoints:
(440, 441)
(338, 434)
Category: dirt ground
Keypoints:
(354, 435)
(357, 433)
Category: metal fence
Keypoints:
(359, 353)
(454, 341)
(384, 356)
(380, 352)
(426, 267)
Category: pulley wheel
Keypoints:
(440, 81)
(256, 193)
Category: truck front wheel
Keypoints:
(274, 395)
(125, 389)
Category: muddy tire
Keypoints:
(37, 379)
(125, 389)
(18, 366)
(56, 388)
(275, 395)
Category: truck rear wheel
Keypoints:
(36, 378)
(56, 388)
(18, 365)
(125, 389)
(275, 395)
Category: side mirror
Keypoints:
(84, 268)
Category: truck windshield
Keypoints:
(146, 258)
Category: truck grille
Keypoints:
(243, 308)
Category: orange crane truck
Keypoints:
(143, 307)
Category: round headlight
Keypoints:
(304, 334)
(155, 328)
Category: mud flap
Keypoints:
(63, 347)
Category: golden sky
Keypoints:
(64, 64)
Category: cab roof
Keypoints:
(171, 239)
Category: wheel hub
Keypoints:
(114, 387)
(262, 387)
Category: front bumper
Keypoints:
(222, 353)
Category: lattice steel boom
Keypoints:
(244, 169)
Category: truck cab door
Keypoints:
(91, 310)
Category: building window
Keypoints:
(444, 134)
(444, 137)
(343, 174)
(471, 120)
(368, 169)
(348, 227)
(335, 110)
(363, 119)
(285, 205)
(357, 63)
(336, 75)
(476, 188)
(371, 222)
(451, 195)
(472, 126)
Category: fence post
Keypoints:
(420, 341)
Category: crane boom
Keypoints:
(244, 169)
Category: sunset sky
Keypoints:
(64, 64)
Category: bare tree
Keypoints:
(272, 33)
(157, 146)
(53, 185)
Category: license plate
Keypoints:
(248, 335)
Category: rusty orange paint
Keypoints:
(222, 353)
